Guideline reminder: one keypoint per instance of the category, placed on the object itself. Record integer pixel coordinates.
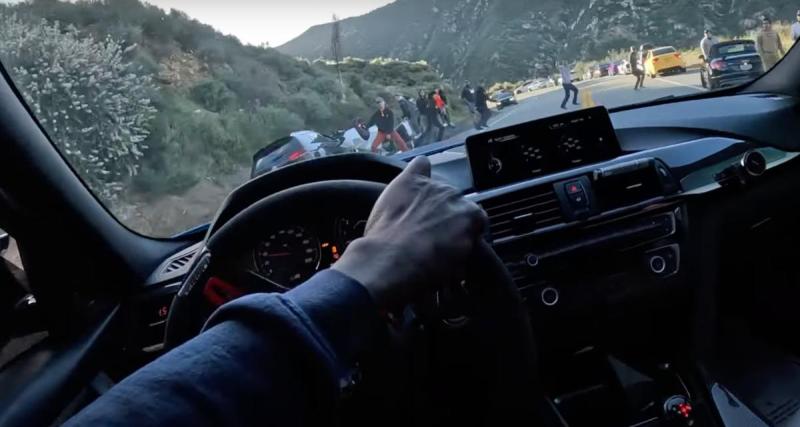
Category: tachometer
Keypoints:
(288, 257)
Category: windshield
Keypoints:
(663, 51)
(164, 107)
(730, 49)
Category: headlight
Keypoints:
(512, 99)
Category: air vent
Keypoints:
(180, 262)
(522, 212)
(784, 411)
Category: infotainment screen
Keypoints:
(516, 153)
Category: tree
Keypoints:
(94, 105)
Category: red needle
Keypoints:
(280, 254)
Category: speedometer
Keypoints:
(288, 257)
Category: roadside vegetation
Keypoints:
(148, 104)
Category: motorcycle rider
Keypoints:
(384, 120)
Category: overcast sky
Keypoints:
(271, 21)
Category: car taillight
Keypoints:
(655, 59)
(678, 55)
(296, 155)
(719, 65)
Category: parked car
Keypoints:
(298, 146)
(663, 60)
(731, 63)
(524, 87)
(623, 66)
(600, 70)
(504, 99)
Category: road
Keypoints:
(608, 91)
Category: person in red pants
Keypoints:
(384, 119)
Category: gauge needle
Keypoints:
(279, 254)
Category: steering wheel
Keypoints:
(484, 360)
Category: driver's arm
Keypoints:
(270, 359)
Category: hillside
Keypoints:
(204, 102)
(514, 39)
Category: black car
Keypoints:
(504, 99)
(731, 63)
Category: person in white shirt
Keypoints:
(796, 28)
(708, 41)
(566, 83)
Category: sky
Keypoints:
(268, 21)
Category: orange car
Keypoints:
(663, 60)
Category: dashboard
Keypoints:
(598, 218)
(624, 200)
(288, 256)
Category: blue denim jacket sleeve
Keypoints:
(263, 359)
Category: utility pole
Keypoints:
(336, 52)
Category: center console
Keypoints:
(593, 239)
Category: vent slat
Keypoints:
(179, 263)
(522, 212)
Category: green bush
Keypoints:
(93, 103)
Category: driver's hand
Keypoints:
(419, 234)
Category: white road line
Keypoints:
(681, 84)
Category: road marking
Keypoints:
(586, 99)
(681, 84)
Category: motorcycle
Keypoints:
(360, 138)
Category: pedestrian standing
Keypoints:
(410, 112)
(482, 107)
(768, 44)
(428, 112)
(566, 83)
(708, 41)
(468, 97)
(384, 120)
(635, 70)
(440, 101)
(796, 28)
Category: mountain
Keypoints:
(514, 39)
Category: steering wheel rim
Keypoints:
(512, 353)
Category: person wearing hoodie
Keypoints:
(384, 120)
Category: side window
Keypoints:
(8, 250)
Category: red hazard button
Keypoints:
(574, 187)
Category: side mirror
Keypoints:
(4, 241)
(702, 58)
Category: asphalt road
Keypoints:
(608, 91)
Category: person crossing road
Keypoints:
(635, 70)
(566, 83)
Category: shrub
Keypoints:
(94, 105)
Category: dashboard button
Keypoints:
(657, 264)
(532, 260)
(549, 296)
(573, 187)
